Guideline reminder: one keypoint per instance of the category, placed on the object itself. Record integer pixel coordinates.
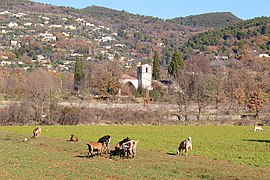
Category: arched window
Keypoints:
(146, 70)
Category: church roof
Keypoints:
(125, 76)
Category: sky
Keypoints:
(167, 9)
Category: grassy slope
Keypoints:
(52, 157)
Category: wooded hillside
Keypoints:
(208, 20)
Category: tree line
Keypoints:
(232, 86)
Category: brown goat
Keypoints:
(95, 146)
(185, 145)
(73, 138)
(37, 132)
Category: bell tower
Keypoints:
(144, 75)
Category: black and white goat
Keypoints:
(185, 145)
(106, 141)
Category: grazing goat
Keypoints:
(129, 148)
(118, 145)
(73, 138)
(37, 132)
(118, 151)
(257, 128)
(106, 141)
(95, 146)
(184, 145)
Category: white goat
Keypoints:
(129, 148)
(257, 128)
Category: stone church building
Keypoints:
(143, 80)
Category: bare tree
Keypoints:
(201, 83)
(219, 76)
(183, 95)
(40, 90)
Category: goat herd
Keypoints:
(125, 148)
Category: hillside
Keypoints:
(249, 37)
(208, 20)
(144, 31)
(36, 34)
(41, 35)
(109, 15)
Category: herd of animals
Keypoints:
(125, 148)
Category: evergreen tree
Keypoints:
(166, 57)
(177, 64)
(79, 75)
(156, 67)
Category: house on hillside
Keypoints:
(264, 55)
(47, 37)
(12, 25)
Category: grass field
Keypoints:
(220, 152)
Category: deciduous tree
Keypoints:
(257, 100)
(40, 91)
(105, 78)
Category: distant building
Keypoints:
(143, 80)
(47, 37)
(12, 25)
(264, 55)
(5, 63)
(107, 38)
(13, 43)
(27, 24)
(221, 57)
(144, 75)
(128, 82)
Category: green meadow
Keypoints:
(219, 152)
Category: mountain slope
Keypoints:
(94, 32)
(142, 30)
(237, 39)
(208, 20)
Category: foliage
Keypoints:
(105, 78)
(158, 95)
(211, 20)
(177, 64)
(156, 67)
(236, 36)
(257, 100)
(79, 75)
